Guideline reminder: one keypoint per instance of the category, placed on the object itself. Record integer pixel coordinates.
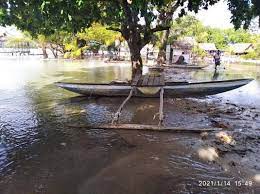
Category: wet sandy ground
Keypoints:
(41, 153)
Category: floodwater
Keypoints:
(43, 151)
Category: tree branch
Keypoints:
(159, 28)
(114, 29)
(165, 15)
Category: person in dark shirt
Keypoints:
(181, 59)
(217, 59)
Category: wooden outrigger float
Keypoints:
(151, 86)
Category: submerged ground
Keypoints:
(42, 150)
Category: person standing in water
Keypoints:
(217, 59)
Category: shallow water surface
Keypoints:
(41, 150)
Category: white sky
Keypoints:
(217, 16)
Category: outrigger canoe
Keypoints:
(171, 89)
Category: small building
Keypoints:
(3, 39)
(178, 47)
(242, 48)
(208, 47)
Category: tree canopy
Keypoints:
(99, 33)
(137, 20)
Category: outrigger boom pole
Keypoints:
(161, 116)
(118, 112)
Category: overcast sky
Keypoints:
(217, 15)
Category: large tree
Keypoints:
(137, 20)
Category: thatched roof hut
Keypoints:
(242, 48)
(186, 44)
(209, 47)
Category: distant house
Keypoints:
(3, 39)
(174, 50)
(208, 47)
(241, 48)
(185, 44)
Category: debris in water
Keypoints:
(204, 135)
(63, 144)
(155, 158)
(257, 178)
(225, 138)
(209, 154)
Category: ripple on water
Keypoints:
(181, 162)
(190, 171)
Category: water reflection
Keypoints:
(28, 109)
(215, 75)
(248, 95)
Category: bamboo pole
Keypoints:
(161, 107)
(118, 112)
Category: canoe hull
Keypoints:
(174, 90)
(194, 67)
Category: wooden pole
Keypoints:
(146, 127)
(161, 107)
(118, 112)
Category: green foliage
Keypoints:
(93, 37)
(237, 36)
(243, 11)
(99, 33)
(47, 17)
(74, 54)
(199, 52)
(59, 38)
(14, 42)
(254, 54)
(251, 55)
(190, 26)
(73, 50)
(218, 37)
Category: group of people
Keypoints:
(216, 57)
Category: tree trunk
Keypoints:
(136, 59)
(81, 54)
(162, 49)
(44, 51)
(54, 51)
(135, 44)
